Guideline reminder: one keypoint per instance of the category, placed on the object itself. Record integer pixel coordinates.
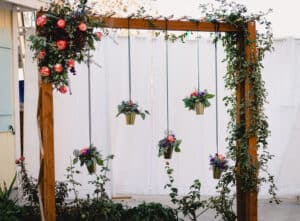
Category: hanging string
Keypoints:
(89, 97)
(198, 62)
(167, 75)
(216, 85)
(129, 59)
(198, 59)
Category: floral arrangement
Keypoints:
(198, 100)
(130, 110)
(167, 145)
(64, 35)
(219, 164)
(89, 156)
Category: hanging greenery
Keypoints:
(65, 34)
(130, 110)
(250, 71)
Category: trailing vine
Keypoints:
(249, 71)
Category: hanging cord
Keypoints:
(89, 98)
(167, 75)
(216, 85)
(198, 58)
(129, 59)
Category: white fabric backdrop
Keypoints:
(136, 168)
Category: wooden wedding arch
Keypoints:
(246, 201)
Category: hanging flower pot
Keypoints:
(88, 156)
(168, 152)
(198, 100)
(130, 110)
(216, 172)
(219, 164)
(167, 145)
(91, 168)
(130, 118)
(199, 108)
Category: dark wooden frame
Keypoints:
(246, 201)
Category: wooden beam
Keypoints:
(160, 24)
(47, 152)
(247, 201)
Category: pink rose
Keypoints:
(171, 138)
(58, 68)
(41, 20)
(44, 71)
(61, 44)
(61, 23)
(41, 54)
(221, 157)
(63, 89)
(82, 26)
(194, 94)
(99, 35)
(71, 63)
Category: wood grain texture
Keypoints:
(161, 24)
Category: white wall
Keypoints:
(136, 167)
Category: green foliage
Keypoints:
(130, 107)
(191, 205)
(197, 97)
(9, 210)
(150, 212)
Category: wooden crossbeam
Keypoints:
(161, 24)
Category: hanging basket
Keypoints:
(217, 172)
(199, 108)
(91, 168)
(130, 118)
(168, 153)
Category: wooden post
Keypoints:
(47, 179)
(247, 201)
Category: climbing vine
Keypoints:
(249, 71)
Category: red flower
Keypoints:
(63, 89)
(41, 20)
(61, 44)
(22, 158)
(171, 138)
(71, 63)
(44, 71)
(194, 94)
(99, 35)
(58, 68)
(41, 54)
(82, 26)
(61, 23)
(17, 161)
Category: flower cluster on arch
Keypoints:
(64, 35)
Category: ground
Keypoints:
(288, 210)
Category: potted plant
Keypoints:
(167, 145)
(219, 164)
(198, 100)
(89, 156)
(130, 110)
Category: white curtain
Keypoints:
(136, 168)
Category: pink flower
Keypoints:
(41, 20)
(171, 138)
(63, 89)
(82, 26)
(22, 158)
(71, 63)
(44, 71)
(61, 23)
(99, 35)
(221, 157)
(61, 44)
(194, 94)
(41, 54)
(58, 68)
(83, 151)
